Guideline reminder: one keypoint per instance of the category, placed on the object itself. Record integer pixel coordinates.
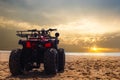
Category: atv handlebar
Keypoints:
(52, 29)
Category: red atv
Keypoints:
(38, 46)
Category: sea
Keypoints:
(4, 55)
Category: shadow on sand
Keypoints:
(32, 74)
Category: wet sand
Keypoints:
(76, 68)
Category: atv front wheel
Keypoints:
(14, 62)
(50, 61)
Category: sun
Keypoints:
(94, 49)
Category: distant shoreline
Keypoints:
(79, 53)
(4, 54)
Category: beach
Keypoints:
(76, 68)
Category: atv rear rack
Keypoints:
(33, 32)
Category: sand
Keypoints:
(76, 68)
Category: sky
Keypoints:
(84, 25)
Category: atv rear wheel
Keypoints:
(50, 61)
(14, 62)
(61, 60)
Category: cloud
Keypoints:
(111, 41)
(82, 33)
(11, 24)
(54, 12)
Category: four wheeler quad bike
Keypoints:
(38, 46)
